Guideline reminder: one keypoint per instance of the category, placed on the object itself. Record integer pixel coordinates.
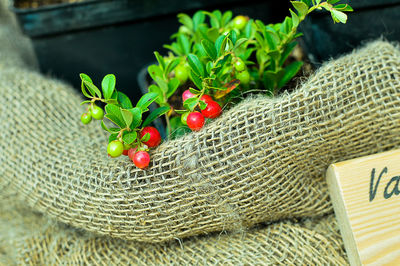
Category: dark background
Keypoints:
(98, 37)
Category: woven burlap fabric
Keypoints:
(16, 50)
(29, 238)
(262, 161)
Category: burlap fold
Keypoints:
(262, 161)
(29, 238)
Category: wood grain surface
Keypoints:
(365, 195)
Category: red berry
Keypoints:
(195, 121)
(187, 94)
(141, 159)
(155, 137)
(131, 153)
(126, 149)
(212, 110)
(206, 98)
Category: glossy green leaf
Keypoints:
(136, 117)
(286, 52)
(127, 116)
(173, 84)
(115, 120)
(112, 101)
(108, 86)
(92, 88)
(212, 34)
(178, 129)
(295, 18)
(174, 47)
(290, 71)
(155, 114)
(199, 50)
(209, 47)
(112, 137)
(191, 103)
(111, 130)
(343, 7)
(124, 100)
(209, 67)
(196, 80)
(87, 101)
(248, 30)
(154, 71)
(115, 112)
(146, 100)
(195, 64)
(83, 87)
(202, 105)
(198, 19)
(184, 43)
(220, 44)
(85, 77)
(160, 60)
(301, 8)
(160, 96)
(226, 17)
(194, 91)
(172, 65)
(129, 137)
(146, 137)
(185, 20)
(162, 84)
(233, 36)
(339, 16)
(240, 42)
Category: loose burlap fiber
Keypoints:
(28, 238)
(262, 161)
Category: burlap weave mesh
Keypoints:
(28, 238)
(262, 161)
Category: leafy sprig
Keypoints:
(127, 120)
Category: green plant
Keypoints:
(215, 61)
(227, 58)
(126, 119)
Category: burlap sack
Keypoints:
(262, 161)
(28, 238)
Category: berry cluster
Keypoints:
(216, 60)
(130, 135)
(208, 109)
(139, 156)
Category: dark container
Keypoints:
(370, 20)
(98, 37)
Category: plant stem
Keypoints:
(168, 123)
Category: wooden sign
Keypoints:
(365, 193)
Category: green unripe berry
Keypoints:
(239, 22)
(244, 77)
(239, 65)
(97, 112)
(181, 74)
(184, 118)
(86, 118)
(115, 148)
